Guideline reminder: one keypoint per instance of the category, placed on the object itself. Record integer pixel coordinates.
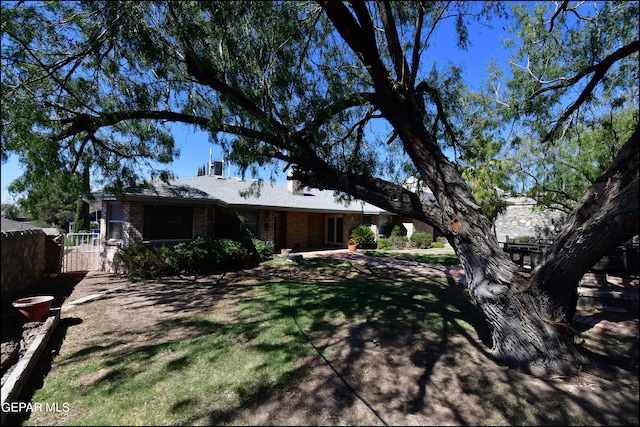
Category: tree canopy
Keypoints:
(348, 95)
(106, 80)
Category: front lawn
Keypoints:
(320, 342)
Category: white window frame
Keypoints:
(114, 219)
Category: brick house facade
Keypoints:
(187, 208)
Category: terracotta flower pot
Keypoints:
(33, 309)
(351, 246)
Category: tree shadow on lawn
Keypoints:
(430, 354)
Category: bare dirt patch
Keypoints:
(407, 378)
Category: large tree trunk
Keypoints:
(528, 315)
(531, 316)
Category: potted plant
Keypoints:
(361, 237)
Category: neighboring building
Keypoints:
(11, 225)
(283, 213)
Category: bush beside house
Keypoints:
(203, 255)
(363, 237)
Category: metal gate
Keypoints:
(81, 252)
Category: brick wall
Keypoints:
(297, 230)
(315, 230)
(265, 226)
(200, 220)
(132, 222)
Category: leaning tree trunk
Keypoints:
(531, 316)
(528, 315)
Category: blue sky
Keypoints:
(195, 145)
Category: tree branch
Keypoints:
(397, 55)
(415, 57)
(562, 7)
(606, 217)
(424, 87)
(600, 70)
(352, 100)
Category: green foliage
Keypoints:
(524, 239)
(282, 69)
(81, 221)
(439, 243)
(420, 240)
(202, 255)
(12, 212)
(384, 244)
(205, 255)
(262, 250)
(49, 198)
(399, 242)
(396, 239)
(386, 229)
(396, 231)
(143, 261)
(564, 172)
(363, 237)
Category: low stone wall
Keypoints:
(26, 256)
(522, 218)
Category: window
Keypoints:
(210, 216)
(333, 227)
(249, 220)
(114, 224)
(167, 222)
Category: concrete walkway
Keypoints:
(457, 273)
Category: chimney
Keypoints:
(293, 186)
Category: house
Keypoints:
(282, 213)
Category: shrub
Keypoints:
(396, 231)
(384, 244)
(205, 255)
(420, 240)
(399, 242)
(363, 237)
(143, 261)
(440, 242)
(262, 250)
(200, 256)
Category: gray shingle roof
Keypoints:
(228, 191)
(11, 225)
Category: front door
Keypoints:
(334, 230)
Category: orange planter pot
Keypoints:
(33, 309)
